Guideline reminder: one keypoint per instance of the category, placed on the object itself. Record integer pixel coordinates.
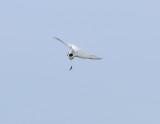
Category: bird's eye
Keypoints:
(70, 55)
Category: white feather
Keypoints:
(86, 56)
(74, 47)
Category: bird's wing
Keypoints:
(63, 42)
(74, 47)
(70, 46)
(86, 56)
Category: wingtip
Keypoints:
(54, 37)
(57, 38)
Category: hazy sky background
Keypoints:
(35, 84)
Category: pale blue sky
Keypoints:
(35, 84)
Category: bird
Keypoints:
(74, 51)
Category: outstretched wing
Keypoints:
(70, 46)
(63, 42)
(86, 56)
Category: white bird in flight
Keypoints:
(74, 52)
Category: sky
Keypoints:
(36, 86)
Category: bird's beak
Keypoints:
(70, 59)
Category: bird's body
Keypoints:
(75, 52)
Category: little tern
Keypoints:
(75, 52)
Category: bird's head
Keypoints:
(70, 55)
